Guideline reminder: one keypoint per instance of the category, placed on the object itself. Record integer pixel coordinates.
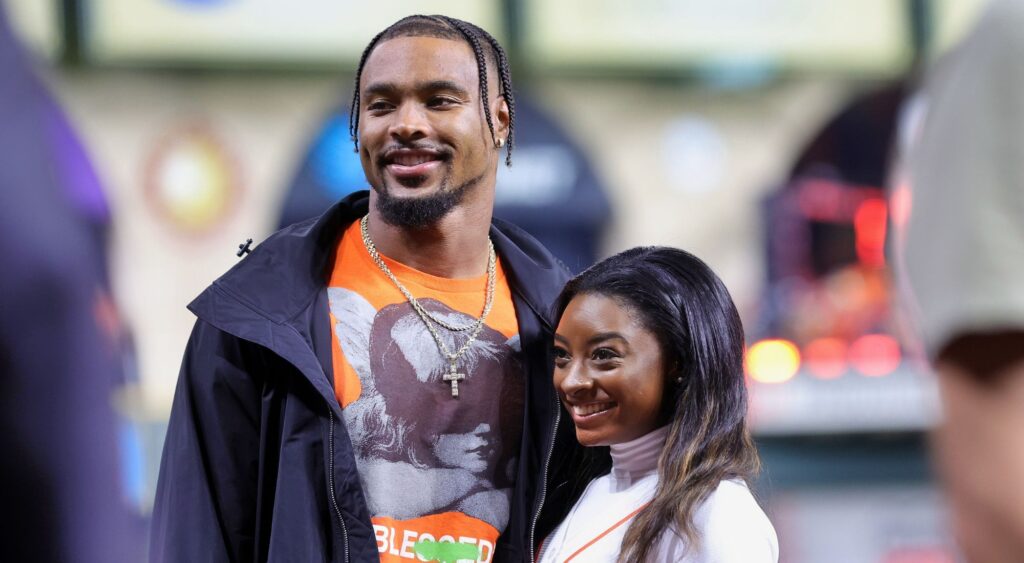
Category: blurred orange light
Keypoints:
(825, 358)
(772, 361)
(875, 355)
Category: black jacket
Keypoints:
(258, 465)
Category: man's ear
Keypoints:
(502, 119)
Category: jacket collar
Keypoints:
(268, 297)
(279, 279)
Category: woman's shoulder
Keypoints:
(733, 529)
(729, 506)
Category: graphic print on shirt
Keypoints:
(433, 467)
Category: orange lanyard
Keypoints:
(601, 535)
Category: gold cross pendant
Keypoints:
(454, 377)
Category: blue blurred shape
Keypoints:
(329, 170)
(132, 464)
(335, 165)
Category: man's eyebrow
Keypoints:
(381, 88)
(435, 85)
(427, 86)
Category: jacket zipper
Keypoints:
(334, 499)
(544, 482)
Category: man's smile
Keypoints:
(410, 164)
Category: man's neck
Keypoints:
(454, 247)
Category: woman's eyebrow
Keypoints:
(602, 336)
(599, 337)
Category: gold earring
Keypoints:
(499, 143)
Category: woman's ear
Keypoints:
(675, 375)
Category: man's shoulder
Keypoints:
(536, 273)
(540, 257)
(281, 274)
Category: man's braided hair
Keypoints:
(445, 27)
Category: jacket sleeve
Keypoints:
(205, 505)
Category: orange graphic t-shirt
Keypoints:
(437, 470)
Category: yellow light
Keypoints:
(772, 361)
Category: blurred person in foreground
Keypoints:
(61, 498)
(964, 259)
(374, 384)
(649, 361)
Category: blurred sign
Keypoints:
(830, 356)
(192, 180)
(219, 31)
(905, 399)
(851, 35)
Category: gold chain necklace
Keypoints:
(452, 376)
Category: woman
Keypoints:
(649, 361)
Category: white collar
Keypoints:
(639, 457)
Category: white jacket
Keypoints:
(732, 526)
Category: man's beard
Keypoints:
(423, 211)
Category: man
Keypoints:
(964, 255)
(376, 383)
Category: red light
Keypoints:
(825, 358)
(772, 361)
(869, 230)
(830, 201)
(875, 355)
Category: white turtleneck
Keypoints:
(732, 527)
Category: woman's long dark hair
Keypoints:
(682, 302)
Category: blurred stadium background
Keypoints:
(757, 134)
